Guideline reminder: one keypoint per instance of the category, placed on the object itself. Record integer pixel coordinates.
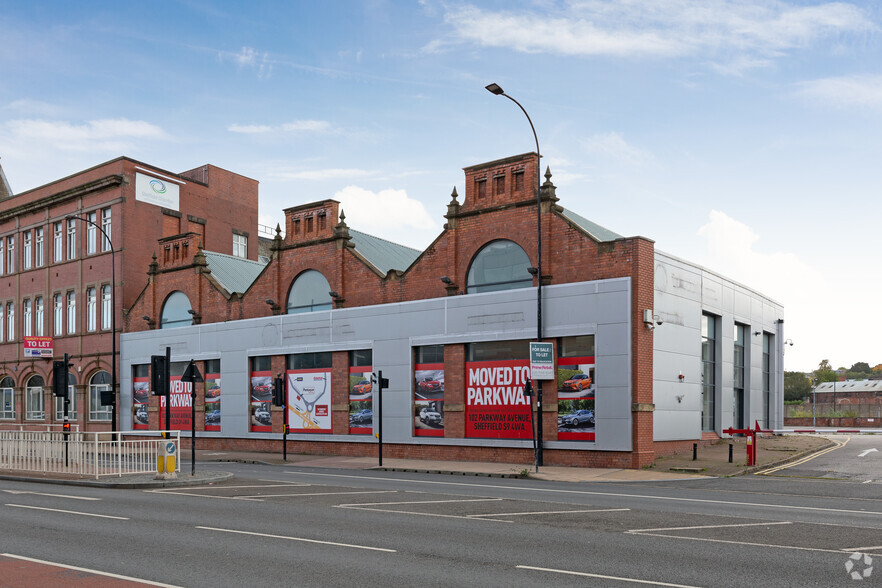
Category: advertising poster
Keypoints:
(361, 406)
(140, 401)
(212, 402)
(309, 401)
(496, 407)
(428, 400)
(575, 398)
(181, 397)
(261, 402)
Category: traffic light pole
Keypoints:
(168, 392)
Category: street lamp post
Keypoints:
(112, 316)
(497, 90)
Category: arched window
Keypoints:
(72, 394)
(175, 311)
(309, 293)
(99, 382)
(7, 398)
(34, 399)
(499, 265)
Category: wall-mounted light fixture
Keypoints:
(447, 280)
(150, 322)
(197, 318)
(273, 306)
(334, 295)
(651, 320)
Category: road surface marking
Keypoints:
(52, 495)
(602, 577)
(804, 459)
(853, 549)
(708, 527)
(540, 512)
(866, 452)
(237, 487)
(773, 545)
(421, 514)
(87, 570)
(321, 494)
(202, 495)
(423, 502)
(298, 539)
(85, 514)
(607, 494)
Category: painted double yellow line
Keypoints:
(802, 460)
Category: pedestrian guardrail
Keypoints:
(81, 454)
(36, 427)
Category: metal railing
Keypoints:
(82, 454)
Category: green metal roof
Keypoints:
(234, 273)
(599, 233)
(383, 255)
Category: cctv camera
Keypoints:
(658, 322)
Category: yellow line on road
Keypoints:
(804, 459)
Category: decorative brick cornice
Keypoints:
(98, 185)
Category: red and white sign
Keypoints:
(181, 398)
(495, 405)
(38, 347)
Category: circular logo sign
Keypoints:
(158, 186)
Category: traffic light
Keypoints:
(108, 398)
(528, 389)
(278, 392)
(60, 376)
(159, 375)
(65, 428)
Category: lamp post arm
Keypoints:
(113, 379)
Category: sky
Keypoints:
(741, 136)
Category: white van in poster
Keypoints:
(161, 192)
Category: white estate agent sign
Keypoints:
(541, 361)
(157, 191)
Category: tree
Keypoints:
(825, 372)
(862, 367)
(797, 386)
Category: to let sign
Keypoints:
(38, 346)
(541, 361)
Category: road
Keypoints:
(856, 458)
(324, 527)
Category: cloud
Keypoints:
(297, 126)
(654, 28)
(613, 146)
(114, 135)
(318, 174)
(27, 107)
(389, 214)
(250, 58)
(854, 90)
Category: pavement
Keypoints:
(710, 461)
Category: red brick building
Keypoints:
(56, 286)
(450, 327)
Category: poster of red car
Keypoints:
(428, 395)
(212, 402)
(309, 401)
(575, 394)
(261, 402)
(140, 401)
(361, 406)
(495, 405)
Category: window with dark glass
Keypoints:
(308, 361)
(360, 357)
(767, 377)
(738, 377)
(175, 311)
(498, 350)
(499, 265)
(708, 371)
(309, 293)
(429, 354)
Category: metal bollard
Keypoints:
(730, 453)
(694, 451)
